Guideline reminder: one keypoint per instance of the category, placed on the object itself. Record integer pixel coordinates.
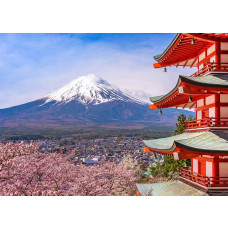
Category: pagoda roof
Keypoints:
(212, 81)
(206, 141)
(181, 52)
(169, 188)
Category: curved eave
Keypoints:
(197, 150)
(181, 52)
(207, 142)
(160, 98)
(211, 82)
(173, 42)
(205, 37)
(177, 146)
(196, 81)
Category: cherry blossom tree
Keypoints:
(26, 171)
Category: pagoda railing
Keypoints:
(211, 67)
(203, 180)
(194, 177)
(206, 123)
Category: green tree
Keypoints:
(180, 129)
(180, 123)
(169, 167)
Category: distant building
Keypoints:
(89, 162)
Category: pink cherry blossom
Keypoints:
(24, 171)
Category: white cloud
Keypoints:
(32, 67)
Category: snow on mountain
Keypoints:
(90, 89)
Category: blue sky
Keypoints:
(34, 65)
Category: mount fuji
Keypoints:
(87, 101)
(90, 90)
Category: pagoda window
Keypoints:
(223, 169)
(195, 164)
(201, 66)
(224, 98)
(224, 46)
(212, 112)
(224, 112)
(211, 49)
(210, 100)
(200, 103)
(199, 115)
(209, 169)
(212, 59)
(224, 58)
(202, 56)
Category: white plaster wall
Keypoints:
(210, 100)
(224, 98)
(202, 56)
(223, 169)
(200, 66)
(175, 156)
(200, 103)
(212, 112)
(212, 59)
(195, 165)
(211, 49)
(199, 115)
(209, 169)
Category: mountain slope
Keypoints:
(87, 101)
(90, 89)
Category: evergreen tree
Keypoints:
(180, 124)
(169, 167)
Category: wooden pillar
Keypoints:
(191, 164)
(217, 109)
(215, 169)
(217, 54)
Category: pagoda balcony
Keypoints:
(211, 67)
(206, 124)
(204, 182)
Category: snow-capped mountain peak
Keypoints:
(89, 89)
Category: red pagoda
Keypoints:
(205, 140)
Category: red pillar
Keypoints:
(215, 169)
(217, 109)
(217, 55)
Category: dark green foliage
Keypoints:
(79, 133)
(168, 168)
(180, 124)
